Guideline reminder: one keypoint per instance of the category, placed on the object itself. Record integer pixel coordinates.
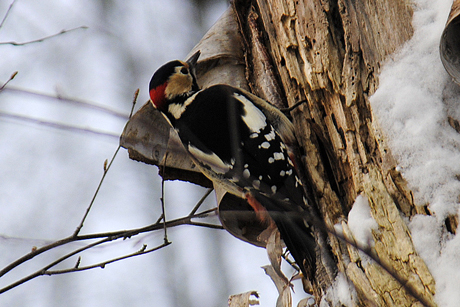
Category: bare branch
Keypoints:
(43, 270)
(103, 264)
(136, 94)
(200, 202)
(293, 107)
(106, 169)
(59, 126)
(78, 102)
(43, 38)
(105, 238)
(8, 81)
(7, 13)
(162, 200)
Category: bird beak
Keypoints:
(192, 65)
(193, 59)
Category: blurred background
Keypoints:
(48, 176)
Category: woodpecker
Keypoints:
(241, 143)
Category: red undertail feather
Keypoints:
(261, 212)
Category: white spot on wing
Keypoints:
(274, 188)
(305, 201)
(265, 145)
(246, 173)
(278, 156)
(253, 117)
(271, 160)
(270, 136)
(297, 182)
(282, 173)
(256, 184)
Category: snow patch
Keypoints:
(414, 98)
(340, 293)
(361, 222)
(412, 105)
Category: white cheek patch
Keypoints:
(253, 117)
(176, 109)
(212, 160)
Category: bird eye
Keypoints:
(184, 70)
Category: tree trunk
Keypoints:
(330, 53)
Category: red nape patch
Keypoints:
(157, 95)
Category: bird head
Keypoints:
(172, 82)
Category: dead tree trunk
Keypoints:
(330, 53)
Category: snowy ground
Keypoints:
(414, 99)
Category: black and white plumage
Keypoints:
(239, 141)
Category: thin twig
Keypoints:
(133, 105)
(136, 94)
(106, 169)
(59, 126)
(162, 200)
(296, 105)
(204, 213)
(200, 202)
(78, 102)
(7, 13)
(207, 225)
(102, 264)
(8, 81)
(43, 270)
(43, 38)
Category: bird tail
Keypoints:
(296, 233)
